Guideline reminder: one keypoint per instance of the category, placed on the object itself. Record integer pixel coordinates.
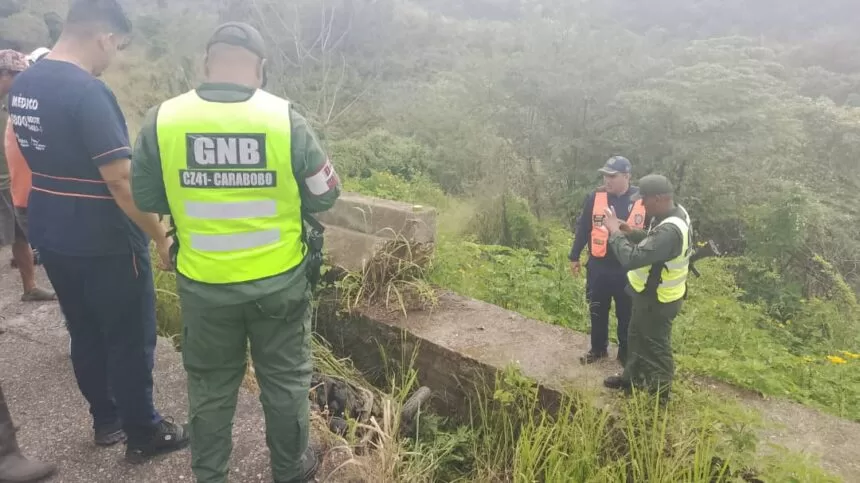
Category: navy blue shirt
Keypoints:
(623, 204)
(68, 123)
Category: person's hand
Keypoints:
(575, 268)
(164, 259)
(610, 221)
(625, 228)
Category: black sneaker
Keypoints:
(616, 382)
(310, 464)
(168, 437)
(591, 357)
(109, 435)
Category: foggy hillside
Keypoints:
(500, 112)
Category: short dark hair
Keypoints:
(86, 15)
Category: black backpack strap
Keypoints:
(313, 222)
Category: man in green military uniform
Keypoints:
(657, 260)
(235, 167)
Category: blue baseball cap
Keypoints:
(615, 165)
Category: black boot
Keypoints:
(616, 382)
(109, 435)
(310, 464)
(14, 467)
(166, 437)
(592, 356)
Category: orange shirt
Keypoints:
(19, 173)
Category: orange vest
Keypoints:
(599, 237)
(19, 173)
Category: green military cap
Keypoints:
(654, 184)
(239, 34)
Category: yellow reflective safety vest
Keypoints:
(228, 174)
(673, 280)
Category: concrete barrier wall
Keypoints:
(461, 345)
(358, 226)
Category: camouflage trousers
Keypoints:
(650, 365)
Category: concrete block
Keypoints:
(462, 344)
(357, 227)
(349, 249)
(382, 218)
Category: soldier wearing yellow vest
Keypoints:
(658, 263)
(235, 167)
(605, 278)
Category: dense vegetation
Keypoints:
(498, 112)
(527, 97)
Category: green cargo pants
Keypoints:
(650, 365)
(214, 354)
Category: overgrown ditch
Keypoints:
(502, 426)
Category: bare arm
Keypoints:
(117, 176)
(104, 133)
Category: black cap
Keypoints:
(653, 185)
(615, 165)
(239, 34)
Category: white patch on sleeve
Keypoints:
(323, 181)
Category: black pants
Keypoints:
(602, 287)
(109, 306)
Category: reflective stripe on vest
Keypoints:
(234, 200)
(674, 275)
(599, 236)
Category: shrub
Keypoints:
(506, 220)
(380, 151)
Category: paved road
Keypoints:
(54, 421)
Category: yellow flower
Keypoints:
(850, 355)
(836, 359)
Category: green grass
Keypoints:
(716, 334)
(814, 359)
(701, 438)
(167, 307)
(511, 439)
